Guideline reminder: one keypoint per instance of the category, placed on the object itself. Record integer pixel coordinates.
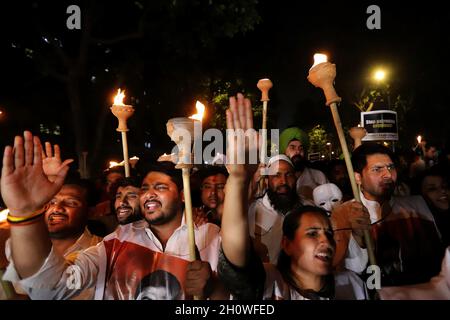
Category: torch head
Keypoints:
(264, 85)
(181, 131)
(122, 113)
(322, 76)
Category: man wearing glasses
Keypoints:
(408, 247)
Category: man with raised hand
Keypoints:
(116, 265)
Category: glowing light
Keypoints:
(200, 111)
(319, 58)
(113, 164)
(167, 157)
(419, 139)
(118, 99)
(379, 75)
(3, 215)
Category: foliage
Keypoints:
(217, 93)
(318, 139)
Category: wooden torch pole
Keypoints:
(322, 75)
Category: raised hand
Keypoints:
(24, 186)
(242, 139)
(51, 162)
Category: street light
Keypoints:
(329, 151)
(379, 75)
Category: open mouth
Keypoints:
(324, 255)
(152, 205)
(56, 218)
(124, 211)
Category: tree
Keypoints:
(124, 43)
(318, 139)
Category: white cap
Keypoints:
(279, 157)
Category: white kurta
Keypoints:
(93, 266)
(266, 225)
(308, 181)
(85, 241)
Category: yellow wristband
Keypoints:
(30, 216)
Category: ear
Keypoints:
(358, 178)
(286, 245)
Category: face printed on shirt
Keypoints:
(327, 196)
(160, 198)
(67, 212)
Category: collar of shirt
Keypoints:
(266, 215)
(374, 208)
(85, 241)
(182, 228)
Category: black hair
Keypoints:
(86, 185)
(168, 168)
(435, 171)
(359, 156)
(209, 171)
(160, 279)
(122, 182)
(290, 225)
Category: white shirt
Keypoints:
(348, 286)
(357, 258)
(85, 241)
(310, 178)
(266, 225)
(93, 269)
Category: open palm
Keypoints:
(240, 118)
(51, 161)
(24, 186)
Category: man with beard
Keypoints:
(407, 244)
(266, 215)
(126, 201)
(116, 265)
(294, 143)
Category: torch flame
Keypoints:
(3, 215)
(419, 139)
(118, 99)
(113, 164)
(319, 58)
(200, 111)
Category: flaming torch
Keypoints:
(122, 113)
(322, 75)
(181, 131)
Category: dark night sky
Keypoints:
(413, 44)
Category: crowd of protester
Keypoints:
(293, 233)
